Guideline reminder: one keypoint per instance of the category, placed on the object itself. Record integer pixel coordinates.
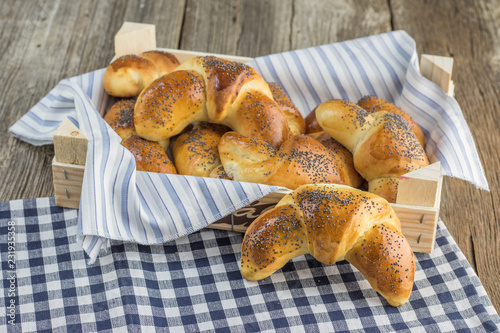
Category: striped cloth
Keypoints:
(123, 204)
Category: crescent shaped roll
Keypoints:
(374, 104)
(333, 223)
(382, 143)
(212, 90)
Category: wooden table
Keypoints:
(46, 41)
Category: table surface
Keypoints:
(46, 41)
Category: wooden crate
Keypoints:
(419, 194)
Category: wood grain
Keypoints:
(468, 32)
(46, 41)
(68, 179)
(322, 22)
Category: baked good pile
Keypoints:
(211, 117)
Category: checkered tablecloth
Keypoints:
(194, 284)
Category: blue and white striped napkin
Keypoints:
(120, 203)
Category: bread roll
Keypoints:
(212, 90)
(164, 62)
(169, 104)
(375, 104)
(149, 156)
(196, 152)
(333, 223)
(382, 143)
(219, 172)
(120, 118)
(126, 76)
(224, 81)
(300, 160)
(312, 125)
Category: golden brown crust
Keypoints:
(344, 121)
(196, 152)
(386, 187)
(256, 115)
(382, 143)
(165, 62)
(224, 80)
(295, 120)
(169, 104)
(219, 172)
(217, 91)
(390, 149)
(374, 104)
(300, 160)
(342, 155)
(312, 125)
(128, 75)
(385, 258)
(333, 223)
(149, 156)
(120, 118)
(271, 241)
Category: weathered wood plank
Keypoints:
(322, 22)
(211, 26)
(469, 32)
(265, 27)
(167, 16)
(49, 41)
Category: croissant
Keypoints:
(300, 160)
(296, 122)
(128, 75)
(333, 223)
(382, 143)
(195, 152)
(212, 90)
(149, 156)
(374, 104)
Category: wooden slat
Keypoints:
(68, 180)
(211, 26)
(322, 22)
(418, 225)
(135, 38)
(438, 69)
(421, 187)
(70, 144)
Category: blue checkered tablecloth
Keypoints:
(194, 284)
